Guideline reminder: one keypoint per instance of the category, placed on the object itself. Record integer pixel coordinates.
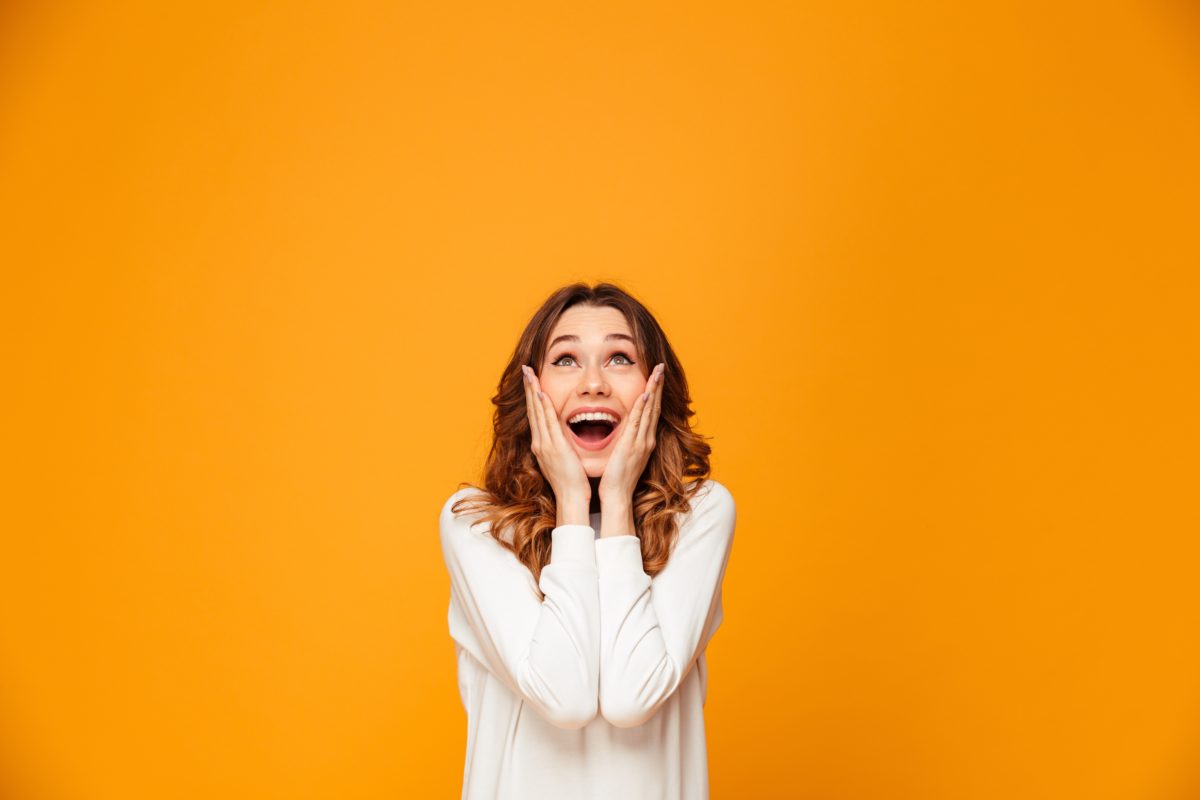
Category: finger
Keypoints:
(646, 399)
(557, 434)
(551, 427)
(658, 393)
(528, 406)
(650, 419)
(531, 402)
(634, 422)
(547, 418)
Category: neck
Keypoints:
(595, 505)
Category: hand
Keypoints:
(555, 456)
(635, 442)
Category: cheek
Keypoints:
(557, 400)
(634, 393)
(552, 392)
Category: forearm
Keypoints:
(546, 650)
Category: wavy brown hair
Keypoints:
(515, 495)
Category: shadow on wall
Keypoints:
(1184, 16)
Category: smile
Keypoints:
(593, 432)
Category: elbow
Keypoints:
(623, 710)
(565, 701)
(571, 716)
(632, 701)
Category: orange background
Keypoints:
(930, 267)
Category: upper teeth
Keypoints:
(592, 415)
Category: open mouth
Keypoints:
(592, 434)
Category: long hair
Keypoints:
(516, 497)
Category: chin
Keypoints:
(594, 465)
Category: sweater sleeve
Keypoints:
(653, 630)
(545, 651)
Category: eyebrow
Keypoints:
(570, 337)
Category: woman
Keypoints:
(585, 576)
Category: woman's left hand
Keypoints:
(635, 442)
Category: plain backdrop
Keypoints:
(931, 269)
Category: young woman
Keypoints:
(585, 575)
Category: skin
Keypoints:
(593, 372)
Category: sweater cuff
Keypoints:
(573, 543)
(617, 555)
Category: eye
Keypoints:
(628, 360)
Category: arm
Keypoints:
(652, 631)
(545, 651)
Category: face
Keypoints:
(601, 366)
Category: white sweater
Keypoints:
(590, 693)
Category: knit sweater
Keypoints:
(597, 690)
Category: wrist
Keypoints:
(616, 519)
(573, 510)
(616, 497)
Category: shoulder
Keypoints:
(460, 522)
(459, 494)
(713, 512)
(713, 498)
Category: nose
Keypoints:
(592, 381)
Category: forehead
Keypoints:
(590, 324)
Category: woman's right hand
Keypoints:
(556, 457)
